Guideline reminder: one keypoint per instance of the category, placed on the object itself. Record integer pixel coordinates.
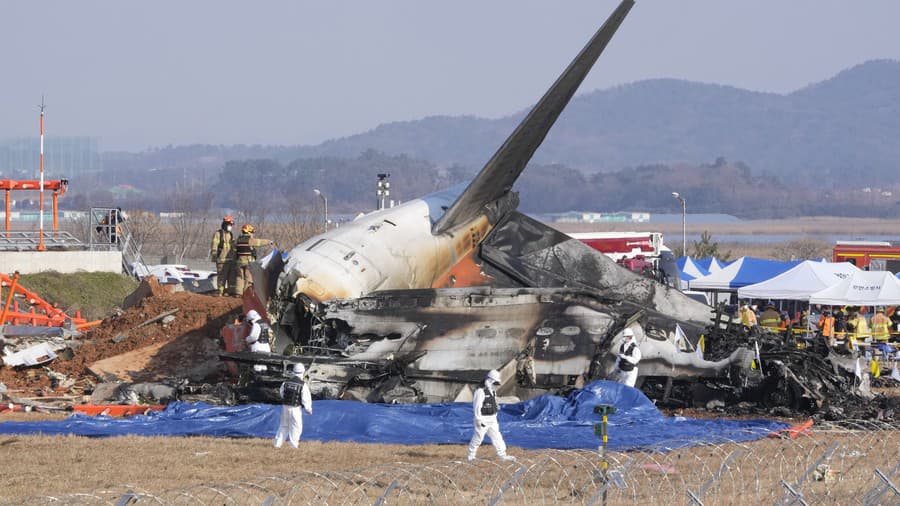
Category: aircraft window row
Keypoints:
(569, 330)
(486, 332)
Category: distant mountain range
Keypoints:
(843, 129)
(848, 125)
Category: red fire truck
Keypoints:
(868, 255)
(637, 251)
(641, 252)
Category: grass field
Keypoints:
(92, 293)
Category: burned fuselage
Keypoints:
(544, 339)
(405, 288)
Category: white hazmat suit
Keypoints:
(627, 359)
(294, 395)
(485, 407)
(257, 345)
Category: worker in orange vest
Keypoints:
(826, 327)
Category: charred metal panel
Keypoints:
(528, 253)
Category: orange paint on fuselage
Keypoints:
(466, 272)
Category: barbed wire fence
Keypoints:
(854, 463)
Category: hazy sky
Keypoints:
(300, 72)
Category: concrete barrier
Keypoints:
(30, 262)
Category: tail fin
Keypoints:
(498, 175)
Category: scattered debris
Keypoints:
(159, 317)
(183, 278)
(186, 347)
(137, 393)
(116, 410)
(824, 472)
(130, 347)
(35, 355)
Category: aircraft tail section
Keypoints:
(497, 177)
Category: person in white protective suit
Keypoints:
(627, 359)
(259, 337)
(485, 407)
(294, 395)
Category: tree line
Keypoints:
(265, 186)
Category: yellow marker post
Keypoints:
(600, 429)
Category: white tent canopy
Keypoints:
(863, 288)
(800, 282)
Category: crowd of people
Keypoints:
(840, 327)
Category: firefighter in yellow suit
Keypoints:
(222, 253)
(245, 252)
(881, 326)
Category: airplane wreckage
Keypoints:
(415, 303)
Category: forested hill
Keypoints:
(717, 187)
(849, 124)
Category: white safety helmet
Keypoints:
(299, 369)
(253, 316)
(494, 376)
(628, 333)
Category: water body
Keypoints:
(707, 219)
(776, 238)
(716, 219)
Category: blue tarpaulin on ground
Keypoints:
(543, 422)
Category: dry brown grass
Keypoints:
(249, 471)
(33, 416)
(70, 464)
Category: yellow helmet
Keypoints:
(247, 229)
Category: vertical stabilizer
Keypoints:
(498, 175)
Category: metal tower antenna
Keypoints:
(41, 246)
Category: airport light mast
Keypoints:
(683, 223)
(41, 246)
(325, 203)
(382, 191)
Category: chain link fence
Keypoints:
(855, 463)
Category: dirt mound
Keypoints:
(181, 345)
